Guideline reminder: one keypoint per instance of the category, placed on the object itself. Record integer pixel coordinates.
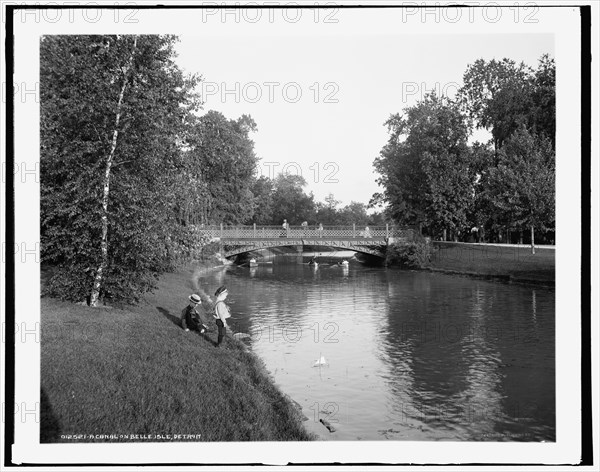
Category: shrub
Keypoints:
(411, 254)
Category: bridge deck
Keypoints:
(378, 240)
(299, 231)
(239, 239)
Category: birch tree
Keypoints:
(106, 183)
(115, 112)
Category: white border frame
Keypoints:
(563, 22)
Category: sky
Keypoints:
(320, 101)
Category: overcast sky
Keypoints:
(320, 101)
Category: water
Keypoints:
(409, 355)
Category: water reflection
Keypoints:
(410, 355)
(453, 378)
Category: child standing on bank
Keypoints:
(221, 313)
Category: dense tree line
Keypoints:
(131, 170)
(128, 165)
(433, 177)
(285, 198)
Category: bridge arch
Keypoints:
(230, 250)
(240, 239)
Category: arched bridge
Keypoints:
(370, 240)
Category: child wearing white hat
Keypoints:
(190, 318)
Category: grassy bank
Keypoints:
(134, 371)
(509, 263)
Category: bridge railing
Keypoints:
(310, 231)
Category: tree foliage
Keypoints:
(432, 176)
(502, 96)
(81, 81)
(285, 198)
(262, 195)
(426, 167)
(290, 202)
(223, 155)
(522, 186)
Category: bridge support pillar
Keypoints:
(299, 250)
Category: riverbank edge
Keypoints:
(200, 270)
(504, 278)
(512, 264)
(235, 350)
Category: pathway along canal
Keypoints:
(409, 355)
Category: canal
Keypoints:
(387, 354)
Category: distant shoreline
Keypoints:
(511, 263)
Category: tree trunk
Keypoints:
(532, 241)
(105, 195)
(444, 235)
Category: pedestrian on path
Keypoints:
(304, 227)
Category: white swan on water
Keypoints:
(320, 361)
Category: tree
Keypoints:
(378, 218)
(523, 183)
(543, 121)
(262, 195)
(502, 96)
(505, 97)
(327, 212)
(354, 213)
(223, 152)
(480, 211)
(290, 201)
(401, 175)
(113, 111)
(426, 168)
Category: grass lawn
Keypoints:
(134, 371)
(511, 262)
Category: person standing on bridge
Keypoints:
(221, 313)
(320, 230)
(285, 226)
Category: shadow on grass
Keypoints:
(49, 425)
(173, 319)
(177, 322)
